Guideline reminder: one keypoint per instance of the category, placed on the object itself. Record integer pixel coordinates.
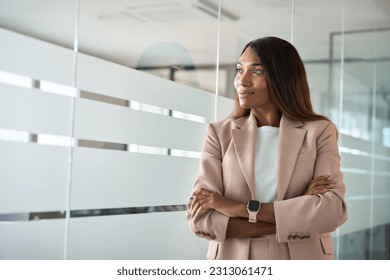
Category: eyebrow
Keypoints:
(250, 64)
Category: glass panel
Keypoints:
(47, 113)
(121, 179)
(32, 177)
(43, 240)
(117, 124)
(107, 79)
(380, 246)
(314, 41)
(365, 118)
(355, 120)
(36, 71)
(161, 236)
(175, 40)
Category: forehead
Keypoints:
(249, 57)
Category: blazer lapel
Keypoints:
(291, 135)
(244, 139)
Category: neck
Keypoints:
(271, 118)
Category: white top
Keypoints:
(266, 163)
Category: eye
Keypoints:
(239, 70)
(258, 71)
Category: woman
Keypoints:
(269, 184)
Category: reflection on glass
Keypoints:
(175, 40)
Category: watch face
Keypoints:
(253, 205)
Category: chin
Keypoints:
(244, 106)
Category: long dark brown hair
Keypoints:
(286, 79)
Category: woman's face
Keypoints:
(250, 83)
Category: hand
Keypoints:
(320, 185)
(203, 200)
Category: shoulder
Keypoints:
(319, 124)
(218, 135)
(321, 128)
(223, 125)
(220, 131)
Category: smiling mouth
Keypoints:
(244, 94)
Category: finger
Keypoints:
(322, 177)
(198, 210)
(202, 190)
(331, 186)
(315, 192)
(193, 210)
(322, 187)
(190, 200)
(327, 187)
(197, 205)
(319, 179)
(198, 191)
(202, 200)
(199, 213)
(194, 203)
(321, 183)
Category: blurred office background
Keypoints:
(104, 106)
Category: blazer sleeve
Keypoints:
(211, 225)
(308, 216)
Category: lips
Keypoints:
(244, 94)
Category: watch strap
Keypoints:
(252, 216)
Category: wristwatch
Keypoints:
(253, 208)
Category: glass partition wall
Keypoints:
(96, 96)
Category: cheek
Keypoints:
(261, 84)
(262, 87)
(235, 83)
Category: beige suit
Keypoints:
(303, 222)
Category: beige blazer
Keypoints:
(303, 222)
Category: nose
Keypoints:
(244, 79)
